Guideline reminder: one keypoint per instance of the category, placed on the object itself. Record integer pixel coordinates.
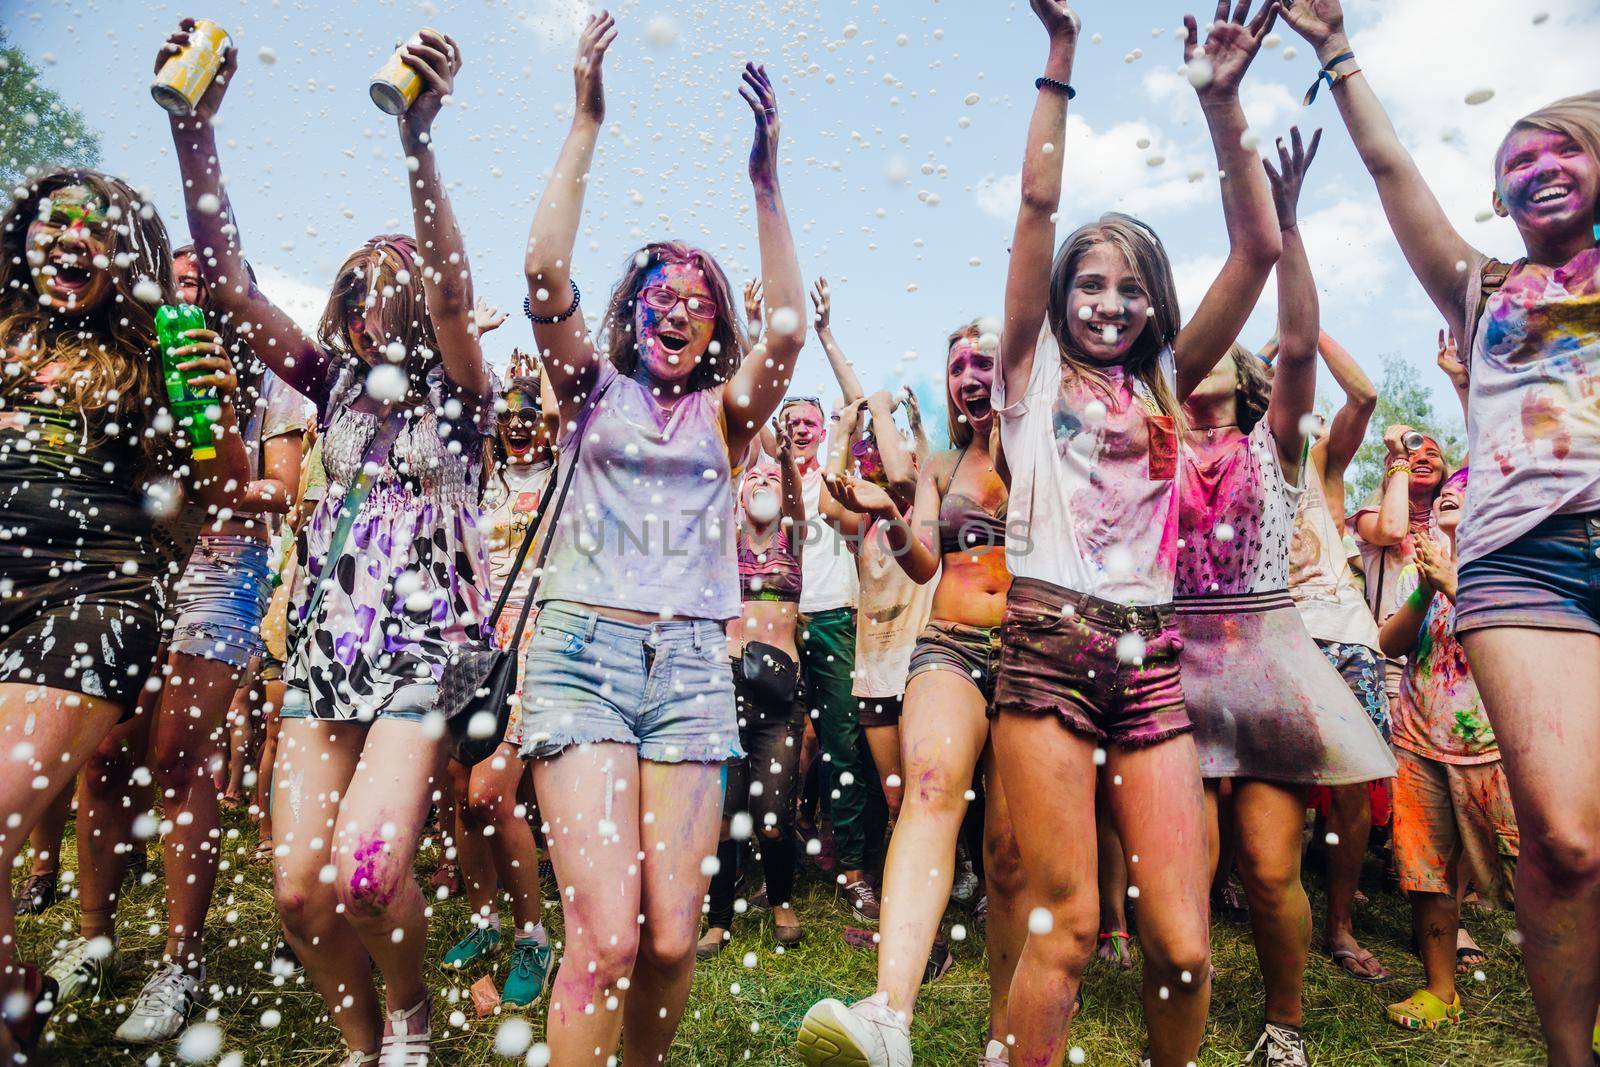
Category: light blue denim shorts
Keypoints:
(666, 688)
(221, 599)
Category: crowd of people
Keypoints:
(1085, 671)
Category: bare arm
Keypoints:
(757, 387)
(899, 466)
(794, 502)
(1454, 367)
(1349, 426)
(214, 228)
(850, 522)
(1431, 245)
(1254, 241)
(565, 348)
(446, 278)
(1294, 384)
(1033, 243)
(822, 303)
(273, 493)
(1398, 635)
(1388, 526)
(915, 545)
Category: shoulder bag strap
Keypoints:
(377, 453)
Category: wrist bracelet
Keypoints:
(1058, 86)
(551, 320)
(1326, 74)
(1397, 469)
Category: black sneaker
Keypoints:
(939, 961)
(862, 899)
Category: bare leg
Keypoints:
(108, 803)
(884, 744)
(1434, 919)
(379, 829)
(1159, 814)
(316, 761)
(1008, 910)
(943, 732)
(1268, 818)
(272, 701)
(1048, 775)
(687, 801)
(473, 857)
(1350, 820)
(45, 841)
(589, 797)
(492, 803)
(187, 741)
(62, 729)
(1541, 689)
(1113, 882)
(244, 733)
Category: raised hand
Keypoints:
(1288, 179)
(1230, 46)
(597, 36)
(785, 442)
(763, 100)
(861, 496)
(1450, 360)
(1437, 571)
(487, 317)
(1060, 21)
(752, 303)
(822, 302)
(1394, 441)
(1318, 21)
(436, 59)
(211, 101)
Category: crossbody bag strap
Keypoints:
(377, 453)
(533, 529)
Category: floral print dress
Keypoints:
(411, 578)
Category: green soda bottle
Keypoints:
(189, 404)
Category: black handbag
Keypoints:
(479, 683)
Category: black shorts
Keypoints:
(86, 627)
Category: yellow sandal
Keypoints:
(1424, 1011)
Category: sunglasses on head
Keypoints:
(661, 298)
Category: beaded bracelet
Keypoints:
(551, 320)
(1058, 86)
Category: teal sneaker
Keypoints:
(481, 942)
(529, 973)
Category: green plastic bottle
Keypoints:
(189, 405)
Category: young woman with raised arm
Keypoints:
(1527, 612)
(954, 532)
(633, 710)
(1094, 363)
(1271, 714)
(396, 359)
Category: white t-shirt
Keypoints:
(510, 501)
(893, 611)
(827, 566)
(1092, 507)
(1320, 579)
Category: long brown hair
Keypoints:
(960, 429)
(249, 370)
(728, 340)
(385, 269)
(110, 356)
(1253, 392)
(1148, 261)
(1578, 117)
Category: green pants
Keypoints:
(827, 659)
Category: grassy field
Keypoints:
(743, 1015)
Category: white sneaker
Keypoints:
(1282, 1046)
(82, 967)
(162, 1008)
(995, 1055)
(865, 1034)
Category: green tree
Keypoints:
(1402, 398)
(37, 130)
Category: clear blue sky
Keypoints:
(872, 96)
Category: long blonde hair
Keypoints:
(1578, 117)
(1148, 261)
(960, 429)
(385, 269)
(110, 357)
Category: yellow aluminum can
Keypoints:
(396, 86)
(185, 77)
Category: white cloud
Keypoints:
(1109, 171)
(553, 23)
(301, 300)
(1351, 250)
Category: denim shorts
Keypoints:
(221, 600)
(1547, 579)
(666, 687)
(409, 704)
(973, 651)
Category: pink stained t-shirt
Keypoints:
(1093, 495)
(1235, 517)
(1533, 405)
